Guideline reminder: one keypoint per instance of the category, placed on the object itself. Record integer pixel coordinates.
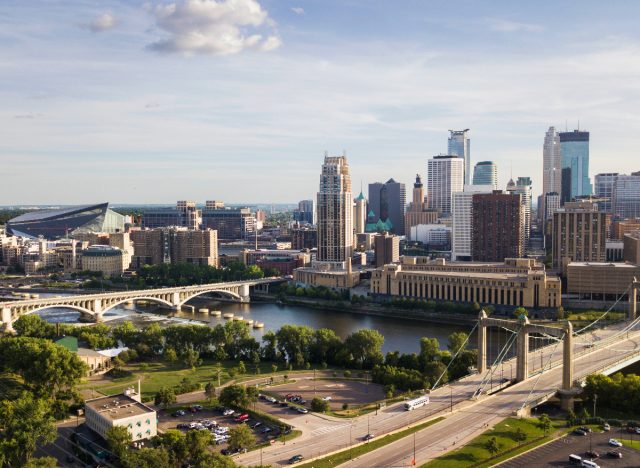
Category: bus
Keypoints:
(416, 403)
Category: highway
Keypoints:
(322, 434)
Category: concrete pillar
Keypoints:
(522, 357)
(482, 343)
(6, 320)
(633, 299)
(243, 292)
(567, 402)
(567, 357)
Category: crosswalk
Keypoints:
(328, 429)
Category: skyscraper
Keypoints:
(486, 173)
(603, 189)
(524, 188)
(460, 145)
(574, 152)
(497, 226)
(335, 212)
(387, 201)
(462, 217)
(306, 212)
(359, 214)
(445, 176)
(626, 196)
(551, 166)
(417, 212)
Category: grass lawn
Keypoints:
(474, 453)
(344, 456)
(635, 444)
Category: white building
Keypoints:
(523, 187)
(434, 236)
(462, 216)
(445, 176)
(551, 204)
(124, 410)
(551, 165)
(626, 196)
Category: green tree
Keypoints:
(170, 355)
(241, 437)
(520, 312)
(215, 460)
(274, 368)
(457, 342)
(148, 458)
(544, 423)
(584, 413)
(365, 346)
(175, 443)
(519, 436)
(210, 391)
(34, 326)
(234, 395)
(493, 446)
(25, 423)
(242, 369)
(198, 443)
(191, 358)
(118, 439)
(42, 462)
(165, 397)
(319, 405)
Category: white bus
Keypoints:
(416, 403)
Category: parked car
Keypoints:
(270, 399)
(175, 414)
(295, 459)
(242, 418)
(182, 426)
(614, 454)
(197, 407)
(266, 429)
(615, 443)
(327, 398)
(302, 410)
(606, 427)
(283, 403)
(592, 454)
(585, 429)
(227, 412)
(579, 432)
(368, 437)
(255, 424)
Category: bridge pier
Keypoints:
(481, 364)
(243, 292)
(522, 361)
(6, 320)
(633, 300)
(567, 357)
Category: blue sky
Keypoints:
(154, 101)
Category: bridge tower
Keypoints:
(633, 300)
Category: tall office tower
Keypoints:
(524, 188)
(626, 196)
(230, 223)
(387, 202)
(195, 247)
(462, 217)
(417, 212)
(551, 204)
(185, 214)
(551, 166)
(603, 189)
(335, 212)
(306, 212)
(486, 173)
(579, 234)
(189, 216)
(445, 176)
(574, 152)
(359, 214)
(498, 226)
(459, 144)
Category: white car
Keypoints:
(327, 398)
(615, 443)
(270, 399)
(227, 412)
(606, 427)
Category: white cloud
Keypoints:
(217, 27)
(502, 25)
(298, 10)
(104, 22)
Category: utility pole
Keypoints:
(413, 462)
(595, 399)
(451, 399)
(350, 441)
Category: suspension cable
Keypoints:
(542, 369)
(435, 385)
(576, 332)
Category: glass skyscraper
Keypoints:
(459, 144)
(574, 151)
(486, 173)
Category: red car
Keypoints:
(242, 418)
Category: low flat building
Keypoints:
(321, 274)
(600, 281)
(124, 410)
(285, 261)
(514, 283)
(631, 247)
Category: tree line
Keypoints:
(618, 391)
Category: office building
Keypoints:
(459, 144)
(230, 223)
(626, 196)
(124, 410)
(603, 190)
(418, 212)
(285, 261)
(387, 203)
(524, 188)
(462, 220)
(509, 284)
(631, 248)
(110, 261)
(578, 234)
(185, 214)
(498, 226)
(574, 152)
(551, 204)
(486, 173)
(387, 249)
(445, 176)
(359, 214)
(435, 237)
(304, 237)
(598, 281)
(65, 222)
(551, 166)
(174, 245)
(306, 212)
(622, 227)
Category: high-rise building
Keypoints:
(304, 237)
(335, 222)
(486, 173)
(174, 245)
(579, 234)
(387, 202)
(498, 226)
(626, 196)
(417, 212)
(551, 166)
(359, 214)
(603, 190)
(387, 249)
(524, 188)
(185, 214)
(462, 217)
(459, 144)
(551, 204)
(306, 212)
(445, 176)
(574, 151)
(230, 223)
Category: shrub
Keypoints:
(319, 405)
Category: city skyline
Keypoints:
(111, 101)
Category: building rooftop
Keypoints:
(116, 407)
(605, 264)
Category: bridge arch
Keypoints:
(133, 299)
(82, 310)
(212, 291)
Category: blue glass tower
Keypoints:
(574, 151)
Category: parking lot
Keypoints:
(338, 392)
(213, 420)
(557, 452)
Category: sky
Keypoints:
(238, 100)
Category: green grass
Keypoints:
(635, 444)
(475, 453)
(344, 456)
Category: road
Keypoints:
(468, 419)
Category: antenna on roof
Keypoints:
(566, 125)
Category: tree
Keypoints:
(170, 355)
(118, 440)
(176, 444)
(215, 460)
(210, 391)
(493, 446)
(42, 462)
(241, 437)
(148, 458)
(521, 312)
(519, 436)
(34, 326)
(242, 369)
(234, 395)
(274, 368)
(544, 423)
(26, 423)
(197, 444)
(319, 405)
(191, 358)
(252, 393)
(457, 342)
(365, 347)
(584, 413)
(165, 397)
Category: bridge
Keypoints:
(95, 305)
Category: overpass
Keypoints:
(95, 305)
